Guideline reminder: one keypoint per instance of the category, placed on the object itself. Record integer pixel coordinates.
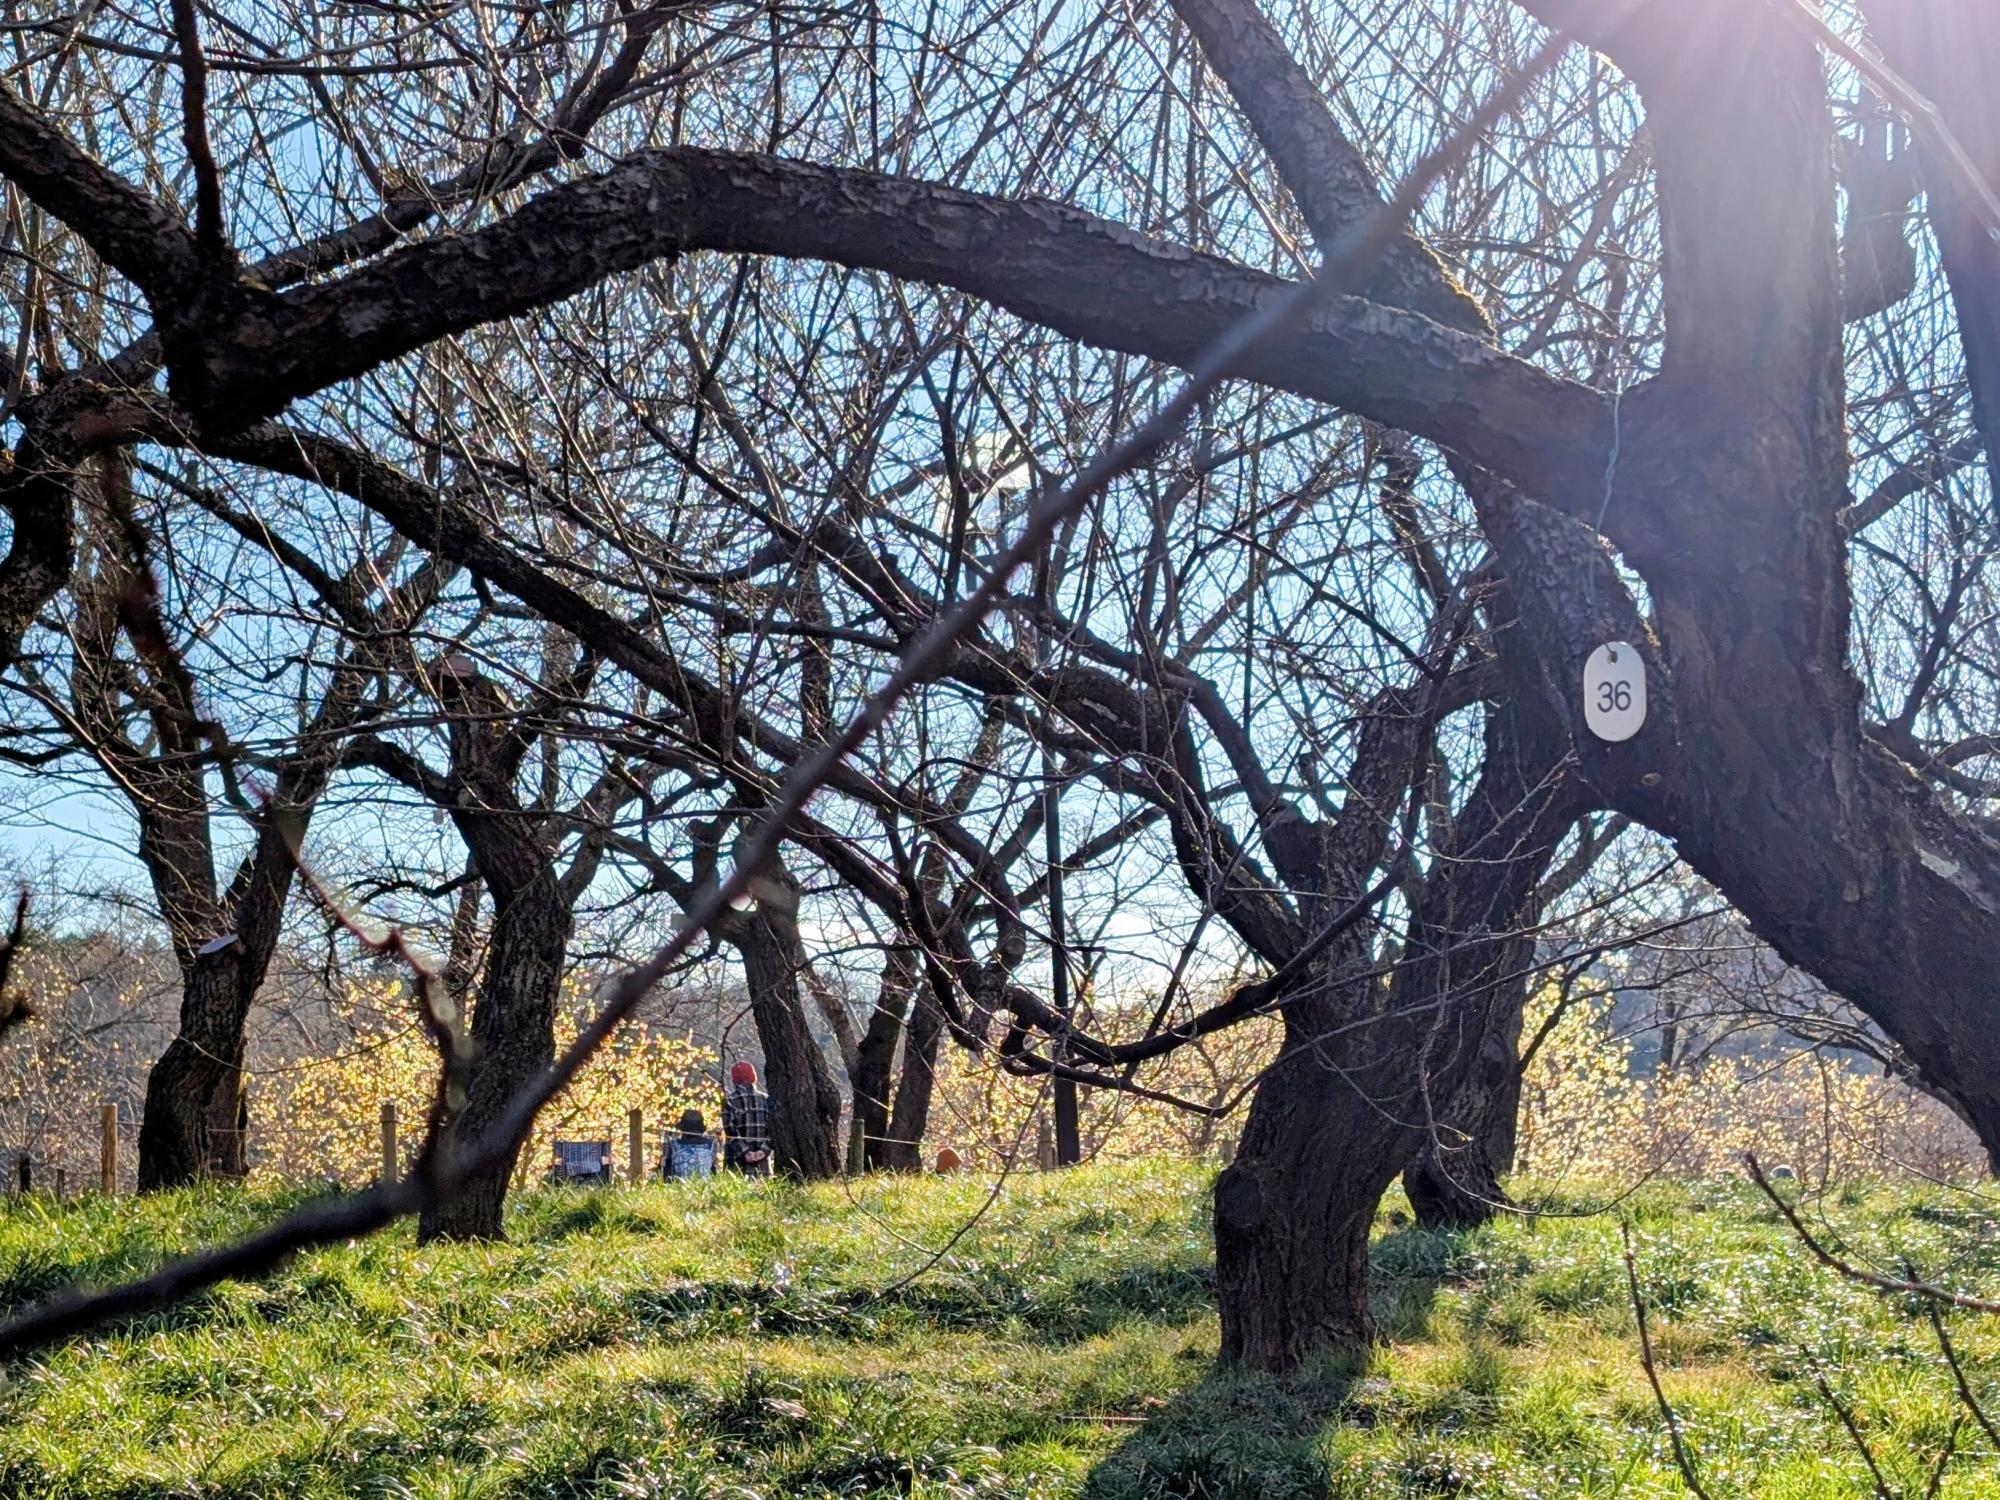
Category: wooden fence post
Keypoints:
(27, 1171)
(1045, 1146)
(62, 1183)
(635, 1131)
(107, 1177)
(391, 1162)
(857, 1146)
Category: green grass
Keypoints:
(724, 1341)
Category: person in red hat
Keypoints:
(746, 1123)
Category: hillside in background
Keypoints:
(765, 1340)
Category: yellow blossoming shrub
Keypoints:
(321, 1118)
(1584, 1115)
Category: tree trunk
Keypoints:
(195, 1117)
(805, 1098)
(1730, 488)
(1455, 1181)
(1470, 952)
(1351, 1101)
(903, 1151)
(1293, 1212)
(197, 1114)
(875, 1061)
(513, 1040)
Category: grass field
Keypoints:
(733, 1341)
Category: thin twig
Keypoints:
(1681, 1455)
(1944, 1458)
(1882, 1490)
(1966, 1399)
(1888, 1285)
(437, 1013)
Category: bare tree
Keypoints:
(1699, 449)
(514, 842)
(137, 705)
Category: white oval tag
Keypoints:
(1614, 692)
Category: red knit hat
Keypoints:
(743, 1072)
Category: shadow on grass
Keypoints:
(573, 1211)
(1052, 1313)
(1243, 1436)
(1234, 1436)
(40, 1277)
(53, 1247)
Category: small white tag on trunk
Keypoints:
(1614, 692)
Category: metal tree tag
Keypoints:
(1614, 692)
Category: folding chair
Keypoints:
(582, 1162)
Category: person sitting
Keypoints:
(691, 1152)
(746, 1123)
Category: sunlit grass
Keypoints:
(723, 1340)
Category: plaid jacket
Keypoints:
(746, 1120)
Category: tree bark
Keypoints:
(512, 850)
(805, 1098)
(36, 491)
(1727, 499)
(1350, 1103)
(1454, 1183)
(196, 1112)
(1089, 278)
(875, 1061)
(196, 1122)
(223, 940)
(904, 1150)
(513, 1038)
(1326, 1136)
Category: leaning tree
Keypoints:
(1691, 498)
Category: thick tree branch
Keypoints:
(1068, 270)
(134, 235)
(1321, 168)
(210, 234)
(36, 494)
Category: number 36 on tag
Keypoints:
(1614, 692)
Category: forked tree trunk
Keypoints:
(1469, 956)
(1348, 1105)
(513, 1039)
(197, 1114)
(1294, 1210)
